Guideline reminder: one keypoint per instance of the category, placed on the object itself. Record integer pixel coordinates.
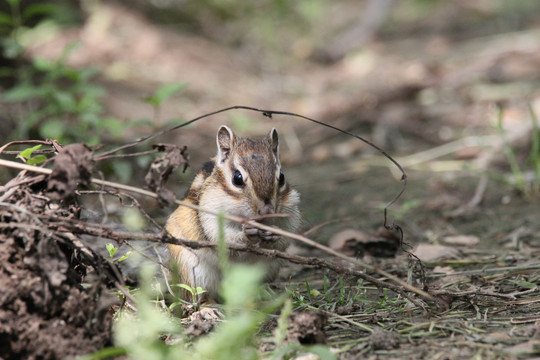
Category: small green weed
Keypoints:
(111, 249)
(26, 156)
(528, 186)
(58, 97)
(61, 102)
(341, 294)
(139, 335)
(195, 292)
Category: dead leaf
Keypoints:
(470, 152)
(443, 270)
(496, 338)
(72, 167)
(352, 242)
(345, 241)
(160, 169)
(524, 349)
(461, 240)
(199, 326)
(427, 252)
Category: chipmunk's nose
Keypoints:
(267, 209)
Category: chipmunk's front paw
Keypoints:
(254, 235)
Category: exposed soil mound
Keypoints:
(46, 312)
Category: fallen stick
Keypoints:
(424, 295)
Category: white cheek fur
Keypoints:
(216, 201)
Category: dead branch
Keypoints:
(80, 227)
(195, 245)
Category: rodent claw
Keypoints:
(251, 231)
(254, 234)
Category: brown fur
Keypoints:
(213, 188)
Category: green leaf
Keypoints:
(185, 287)
(111, 249)
(23, 92)
(174, 304)
(27, 153)
(199, 290)
(27, 156)
(38, 159)
(164, 92)
(5, 19)
(52, 129)
(42, 64)
(39, 9)
(126, 255)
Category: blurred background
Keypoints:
(448, 87)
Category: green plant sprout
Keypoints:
(195, 292)
(111, 249)
(26, 156)
(138, 336)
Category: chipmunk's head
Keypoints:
(251, 172)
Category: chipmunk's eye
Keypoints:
(281, 179)
(237, 178)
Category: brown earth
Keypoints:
(430, 99)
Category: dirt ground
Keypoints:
(427, 98)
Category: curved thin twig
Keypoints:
(424, 295)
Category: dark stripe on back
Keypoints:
(207, 168)
(193, 192)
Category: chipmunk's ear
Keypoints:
(274, 142)
(225, 142)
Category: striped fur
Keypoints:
(213, 188)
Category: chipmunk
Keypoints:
(245, 180)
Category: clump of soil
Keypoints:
(45, 312)
(307, 328)
(383, 339)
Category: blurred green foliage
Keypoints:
(55, 100)
(59, 102)
(139, 335)
(63, 103)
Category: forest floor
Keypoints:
(430, 102)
